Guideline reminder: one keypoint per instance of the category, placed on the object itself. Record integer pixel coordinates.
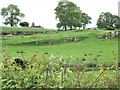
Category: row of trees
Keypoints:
(70, 17)
(68, 14)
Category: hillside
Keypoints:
(62, 44)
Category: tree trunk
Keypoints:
(11, 24)
(65, 28)
(11, 20)
(70, 27)
(84, 27)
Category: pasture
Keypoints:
(59, 59)
(52, 42)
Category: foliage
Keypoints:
(24, 24)
(85, 20)
(108, 21)
(11, 14)
(116, 21)
(54, 72)
(69, 15)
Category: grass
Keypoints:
(88, 44)
(50, 73)
(47, 70)
(22, 29)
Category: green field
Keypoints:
(55, 62)
(39, 43)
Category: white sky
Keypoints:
(42, 11)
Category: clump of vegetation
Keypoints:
(24, 24)
(55, 72)
(108, 21)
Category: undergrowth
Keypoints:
(55, 72)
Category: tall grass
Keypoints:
(56, 72)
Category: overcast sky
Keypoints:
(41, 12)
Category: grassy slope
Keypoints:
(21, 29)
(90, 44)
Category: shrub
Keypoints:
(24, 24)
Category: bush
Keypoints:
(24, 24)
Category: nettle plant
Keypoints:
(56, 72)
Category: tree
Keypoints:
(12, 15)
(24, 24)
(85, 20)
(105, 20)
(108, 21)
(116, 21)
(68, 14)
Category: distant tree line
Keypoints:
(71, 17)
(68, 14)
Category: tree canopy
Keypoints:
(85, 20)
(12, 15)
(68, 14)
(24, 24)
(108, 21)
